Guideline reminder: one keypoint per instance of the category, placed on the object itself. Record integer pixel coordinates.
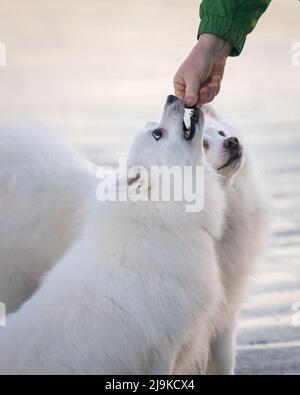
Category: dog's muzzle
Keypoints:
(235, 151)
(188, 132)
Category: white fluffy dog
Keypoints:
(245, 230)
(43, 183)
(140, 288)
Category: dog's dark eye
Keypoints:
(205, 145)
(221, 133)
(157, 134)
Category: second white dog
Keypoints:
(245, 231)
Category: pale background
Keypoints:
(97, 70)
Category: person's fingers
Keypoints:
(212, 94)
(215, 88)
(203, 95)
(209, 91)
(179, 86)
(192, 89)
(216, 79)
(217, 82)
(206, 94)
(201, 100)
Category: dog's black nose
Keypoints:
(231, 143)
(171, 99)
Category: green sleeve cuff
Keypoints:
(225, 28)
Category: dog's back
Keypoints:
(42, 184)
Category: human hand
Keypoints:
(198, 79)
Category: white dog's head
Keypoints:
(168, 143)
(223, 150)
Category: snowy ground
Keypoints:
(98, 70)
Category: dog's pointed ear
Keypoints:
(210, 111)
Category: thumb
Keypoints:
(192, 90)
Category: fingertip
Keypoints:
(203, 94)
(216, 79)
(215, 89)
(190, 101)
(218, 86)
(211, 87)
(207, 94)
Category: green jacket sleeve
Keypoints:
(231, 19)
